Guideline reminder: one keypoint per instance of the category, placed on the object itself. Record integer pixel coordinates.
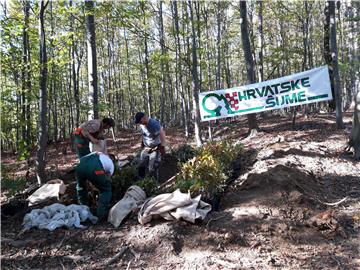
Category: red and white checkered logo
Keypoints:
(233, 101)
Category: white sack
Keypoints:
(132, 200)
(58, 215)
(99, 147)
(171, 206)
(52, 189)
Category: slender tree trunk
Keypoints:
(260, 43)
(207, 48)
(147, 68)
(74, 73)
(55, 107)
(26, 77)
(128, 70)
(355, 133)
(147, 78)
(227, 57)
(218, 45)
(252, 121)
(334, 54)
(52, 83)
(186, 41)
(110, 43)
(179, 69)
(195, 80)
(327, 53)
(42, 139)
(350, 39)
(92, 61)
(198, 44)
(162, 65)
(25, 72)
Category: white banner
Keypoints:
(296, 89)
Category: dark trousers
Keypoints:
(91, 169)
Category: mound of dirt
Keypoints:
(286, 180)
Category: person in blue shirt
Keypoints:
(153, 143)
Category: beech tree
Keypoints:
(42, 137)
(250, 67)
(92, 60)
(334, 56)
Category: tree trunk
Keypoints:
(260, 43)
(179, 69)
(195, 80)
(92, 61)
(74, 73)
(334, 54)
(128, 69)
(252, 121)
(162, 65)
(26, 80)
(147, 68)
(52, 83)
(355, 132)
(218, 45)
(327, 54)
(42, 139)
(207, 48)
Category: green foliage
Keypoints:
(12, 186)
(24, 152)
(148, 184)
(201, 175)
(206, 172)
(122, 180)
(224, 152)
(184, 153)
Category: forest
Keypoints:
(65, 62)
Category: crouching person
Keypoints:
(98, 169)
(153, 143)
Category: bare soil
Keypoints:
(294, 204)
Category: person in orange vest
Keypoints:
(90, 131)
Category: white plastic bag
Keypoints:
(52, 189)
(99, 147)
(58, 215)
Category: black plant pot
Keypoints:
(214, 201)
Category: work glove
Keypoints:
(162, 149)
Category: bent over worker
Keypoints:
(153, 142)
(96, 168)
(90, 131)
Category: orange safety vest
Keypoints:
(77, 131)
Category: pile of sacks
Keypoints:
(170, 206)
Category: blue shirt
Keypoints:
(151, 133)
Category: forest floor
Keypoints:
(294, 205)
